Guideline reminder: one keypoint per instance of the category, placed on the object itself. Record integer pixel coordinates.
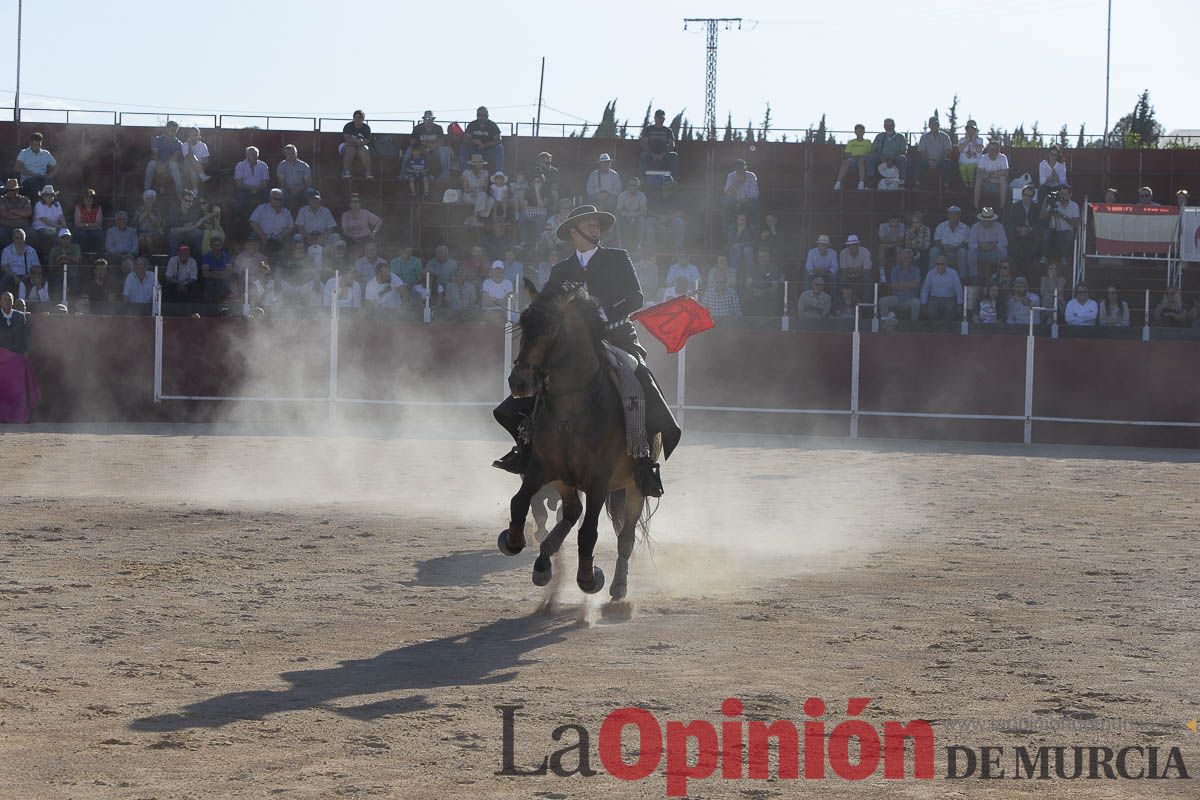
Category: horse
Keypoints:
(577, 436)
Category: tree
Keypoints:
(1062, 137)
(750, 131)
(676, 121)
(728, 129)
(646, 119)
(1082, 142)
(952, 120)
(1138, 128)
(766, 124)
(607, 129)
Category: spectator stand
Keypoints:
(1157, 240)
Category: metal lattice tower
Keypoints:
(713, 26)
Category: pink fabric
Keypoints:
(18, 389)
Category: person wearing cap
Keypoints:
(315, 219)
(65, 253)
(35, 166)
(950, 239)
(889, 147)
(185, 224)
(48, 219)
(166, 154)
(139, 284)
(550, 177)
(854, 265)
(631, 214)
(970, 150)
(356, 141)
(251, 179)
(942, 292)
(992, 174)
(611, 280)
(934, 151)
(482, 138)
(854, 156)
(1060, 216)
(15, 211)
(495, 292)
(987, 246)
(1181, 198)
(181, 280)
(216, 268)
(273, 223)
(1022, 224)
(295, 178)
(658, 148)
(603, 184)
(17, 258)
(433, 140)
(740, 194)
(665, 215)
(822, 262)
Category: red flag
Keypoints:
(674, 321)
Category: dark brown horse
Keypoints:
(578, 435)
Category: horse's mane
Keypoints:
(537, 315)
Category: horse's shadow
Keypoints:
(488, 655)
(465, 567)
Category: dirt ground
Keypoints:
(200, 614)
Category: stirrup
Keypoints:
(513, 461)
(648, 479)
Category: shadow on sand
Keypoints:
(468, 567)
(488, 655)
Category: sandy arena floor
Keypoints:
(236, 616)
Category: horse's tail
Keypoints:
(615, 506)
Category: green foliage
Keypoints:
(952, 120)
(1138, 128)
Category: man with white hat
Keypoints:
(950, 239)
(48, 218)
(854, 263)
(611, 280)
(987, 246)
(822, 262)
(603, 185)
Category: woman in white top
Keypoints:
(992, 174)
(1052, 174)
(990, 308)
(970, 150)
(48, 217)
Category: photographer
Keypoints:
(1061, 216)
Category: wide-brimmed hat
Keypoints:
(48, 189)
(580, 214)
(604, 158)
(987, 215)
(823, 239)
(852, 239)
(428, 115)
(476, 160)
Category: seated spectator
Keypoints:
(64, 254)
(482, 137)
(891, 237)
(721, 267)
(742, 239)
(262, 289)
(814, 303)
(942, 292)
(349, 291)
(1019, 308)
(501, 205)
(103, 288)
(358, 224)
(184, 225)
(442, 265)
(934, 150)
(217, 269)
(1060, 215)
(194, 160)
(416, 172)
(768, 234)
(315, 219)
(15, 211)
(367, 266)
(139, 284)
(385, 290)
(247, 262)
(890, 148)
(1003, 278)
(854, 264)
(432, 139)
(631, 215)
(987, 246)
(1052, 173)
(495, 292)
(35, 166)
(462, 298)
(822, 262)
(251, 180)
(1081, 310)
(992, 171)
(406, 266)
(951, 239)
(210, 221)
(741, 193)
(1114, 312)
(514, 269)
(990, 308)
(475, 179)
(1053, 286)
(166, 155)
(1170, 312)
(121, 241)
(603, 185)
(721, 299)
(551, 177)
(970, 150)
(33, 290)
(89, 223)
(918, 237)
(274, 224)
(18, 258)
(855, 156)
(1181, 198)
(683, 267)
(356, 143)
(48, 219)
(1022, 228)
(905, 283)
(295, 178)
(297, 262)
(845, 305)
(658, 148)
(477, 265)
(533, 207)
(1146, 197)
(181, 283)
(665, 215)
(1110, 195)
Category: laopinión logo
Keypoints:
(632, 743)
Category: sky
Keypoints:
(1010, 63)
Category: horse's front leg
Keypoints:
(590, 577)
(572, 509)
(512, 539)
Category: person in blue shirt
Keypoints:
(166, 153)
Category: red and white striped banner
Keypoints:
(1123, 230)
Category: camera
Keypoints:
(1051, 199)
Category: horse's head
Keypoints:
(546, 325)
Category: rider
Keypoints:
(611, 280)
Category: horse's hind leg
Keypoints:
(572, 507)
(590, 577)
(626, 539)
(512, 539)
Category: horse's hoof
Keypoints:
(542, 571)
(597, 582)
(502, 543)
(618, 590)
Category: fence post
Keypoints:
(855, 343)
(785, 322)
(1054, 319)
(1146, 319)
(333, 346)
(875, 311)
(64, 288)
(1029, 341)
(680, 381)
(508, 348)
(158, 343)
(427, 316)
(246, 296)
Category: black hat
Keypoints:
(580, 214)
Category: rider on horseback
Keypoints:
(611, 280)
